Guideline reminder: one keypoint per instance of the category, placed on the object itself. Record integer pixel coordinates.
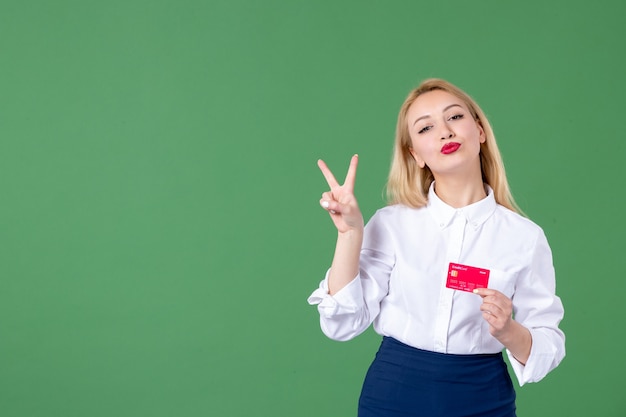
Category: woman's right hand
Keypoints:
(340, 202)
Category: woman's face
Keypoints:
(444, 135)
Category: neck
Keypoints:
(460, 192)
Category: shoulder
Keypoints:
(516, 223)
(396, 219)
(396, 213)
(390, 226)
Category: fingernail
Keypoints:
(325, 204)
(475, 291)
(333, 212)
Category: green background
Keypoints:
(159, 223)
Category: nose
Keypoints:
(446, 132)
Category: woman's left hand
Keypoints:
(497, 310)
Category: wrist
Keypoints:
(518, 340)
(350, 234)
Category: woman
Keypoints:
(450, 273)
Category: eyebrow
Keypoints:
(426, 116)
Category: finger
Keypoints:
(351, 175)
(327, 199)
(330, 178)
(492, 309)
(328, 204)
(492, 321)
(328, 196)
(498, 300)
(484, 292)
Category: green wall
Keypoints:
(159, 221)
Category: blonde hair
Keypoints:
(408, 184)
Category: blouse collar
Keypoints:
(475, 214)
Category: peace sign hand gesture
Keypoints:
(340, 201)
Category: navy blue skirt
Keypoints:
(407, 382)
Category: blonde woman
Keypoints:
(450, 273)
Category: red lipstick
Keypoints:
(450, 147)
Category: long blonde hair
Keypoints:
(408, 184)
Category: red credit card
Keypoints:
(466, 278)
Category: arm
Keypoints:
(345, 265)
(528, 325)
(344, 211)
(497, 310)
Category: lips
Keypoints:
(450, 147)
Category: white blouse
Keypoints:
(403, 269)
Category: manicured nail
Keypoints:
(325, 204)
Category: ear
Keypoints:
(483, 136)
(420, 161)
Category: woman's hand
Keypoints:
(340, 201)
(497, 310)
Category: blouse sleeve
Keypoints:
(351, 310)
(536, 306)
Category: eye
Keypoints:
(424, 129)
(457, 117)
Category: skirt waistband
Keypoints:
(471, 357)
